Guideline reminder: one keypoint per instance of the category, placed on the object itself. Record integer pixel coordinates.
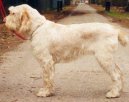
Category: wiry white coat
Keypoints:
(67, 42)
(54, 43)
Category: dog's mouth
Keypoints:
(18, 34)
(14, 31)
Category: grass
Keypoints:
(118, 15)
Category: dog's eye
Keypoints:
(12, 13)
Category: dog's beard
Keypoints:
(12, 24)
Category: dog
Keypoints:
(54, 43)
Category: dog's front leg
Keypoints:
(47, 64)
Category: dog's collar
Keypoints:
(19, 35)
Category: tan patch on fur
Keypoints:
(25, 22)
(87, 36)
(123, 38)
(25, 17)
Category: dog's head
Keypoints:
(23, 18)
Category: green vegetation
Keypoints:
(118, 15)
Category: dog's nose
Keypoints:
(4, 20)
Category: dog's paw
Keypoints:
(44, 92)
(113, 94)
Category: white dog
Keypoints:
(54, 43)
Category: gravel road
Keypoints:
(79, 81)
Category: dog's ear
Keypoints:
(25, 17)
(25, 21)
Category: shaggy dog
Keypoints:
(54, 43)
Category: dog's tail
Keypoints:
(122, 37)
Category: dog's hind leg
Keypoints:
(47, 64)
(106, 61)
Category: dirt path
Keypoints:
(79, 81)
